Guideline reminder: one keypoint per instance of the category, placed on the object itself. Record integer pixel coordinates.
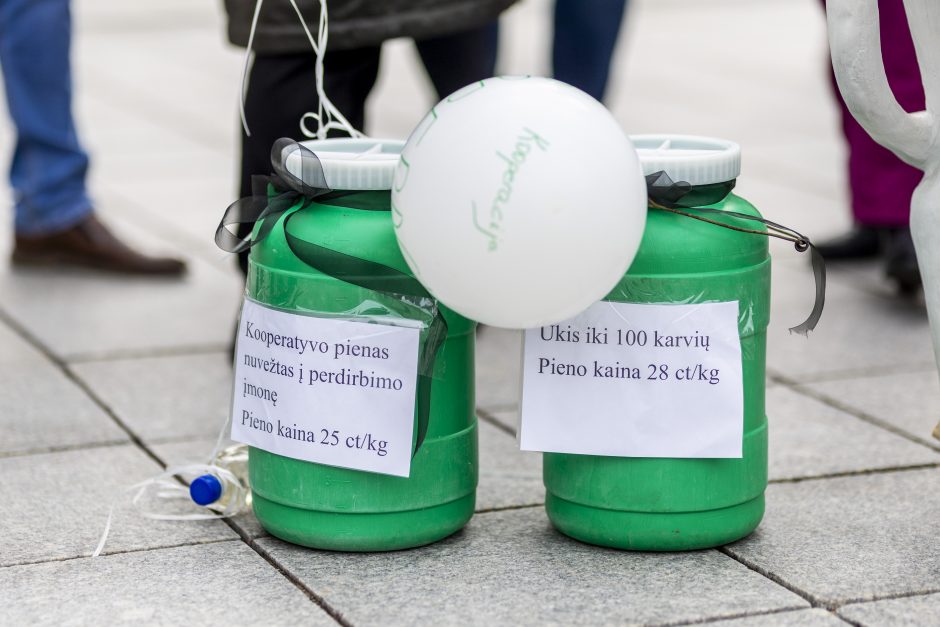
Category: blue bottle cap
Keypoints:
(205, 490)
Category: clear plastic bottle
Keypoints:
(225, 489)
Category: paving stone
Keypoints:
(508, 477)
(99, 16)
(809, 438)
(867, 276)
(79, 313)
(799, 618)
(171, 165)
(198, 452)
(790, 105)
(909, 401)
(212, 85)
(513, 568)
(56, 506)
(799, 181)
(815, 207)
(40, 407)
(906, 612)
(507, 418)
(851, 538)
(113, 131)
(165, 398)
(192, 225)
(208, 584)
(498, 368)
(859, 332)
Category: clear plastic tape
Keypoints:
(746, 315)
(752, 293)
(334, 299)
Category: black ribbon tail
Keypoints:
(819, 273)
(243, 211)
(362, 272)
(437, 333)
(802, 244)
(378, 277)
(672, 196)
(424, 410)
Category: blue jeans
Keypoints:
(585, 35)
(48, 169)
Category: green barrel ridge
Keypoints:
(341, 509)
(660, 504)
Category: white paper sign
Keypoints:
(633, 380)
(334, 392)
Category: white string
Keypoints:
(251, 40)
(327, 116)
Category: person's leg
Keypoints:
(898, 184)
(585, 36)
(866, 158)
(48, 168)
(882, 184)
(54, 221)
(282, 88)
(458, 59)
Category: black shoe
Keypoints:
(862, 242)
(901, 260)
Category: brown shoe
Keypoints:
(89, 244)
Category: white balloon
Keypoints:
(519, 202)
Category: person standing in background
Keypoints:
(586, 34)
(55, 222)
(880, 184)
(456, 39)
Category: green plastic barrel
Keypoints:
(659, 504)
(335, 508)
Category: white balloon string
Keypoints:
(328, 117)
(104, 535)
(319, 44)
(243, 92)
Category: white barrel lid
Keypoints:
(348, 163)
(695, 160)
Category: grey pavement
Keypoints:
(104, 381)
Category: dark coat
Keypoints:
(354, 23)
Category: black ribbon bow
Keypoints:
(274, 195)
